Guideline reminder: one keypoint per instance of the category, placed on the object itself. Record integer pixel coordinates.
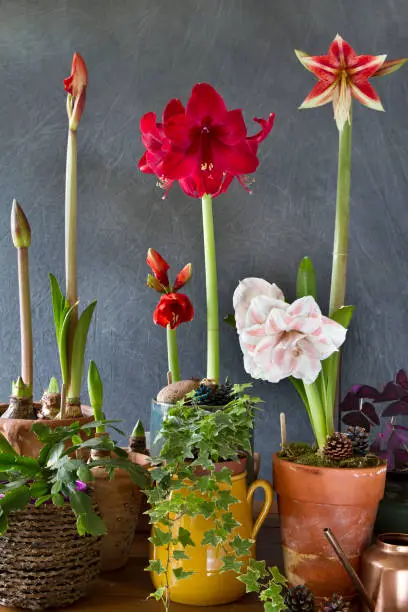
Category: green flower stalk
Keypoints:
(21, 400)
(213, 343)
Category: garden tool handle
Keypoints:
(260, 484)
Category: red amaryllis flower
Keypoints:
(76, 85)
(342, 75)
(203, 146)
(160, 281)
(173, 309)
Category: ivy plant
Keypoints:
(186, 483)
(267, 582)
(58, 478)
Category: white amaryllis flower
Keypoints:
(278, 339)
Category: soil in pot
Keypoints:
(311, 498)
(43, 561)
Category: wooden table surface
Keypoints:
(126, 590)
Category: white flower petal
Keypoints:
(248, 289)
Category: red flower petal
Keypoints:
(321, 65)
(173, 309)
(341, 54)
(366, 66)
(365, 93)
(183, 277)
(178, 164)
(266, 128)
(173, 108)
(205, 102)
(159, 266)
(144, 166)
(321, 94)
(233, 129)
(78, 79)
(177, 130)
(239, 159)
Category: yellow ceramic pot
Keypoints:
(206, 586)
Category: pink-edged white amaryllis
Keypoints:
(278, 339)
(203, 146)
(173, 308)
(281, 340)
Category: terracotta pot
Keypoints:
(312, 498)
(18, 431)
(119, 502)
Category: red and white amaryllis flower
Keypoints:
(173, 308)
(344, 75)
(203, 146)
(76, 85)
(278, 339)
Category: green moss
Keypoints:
(304, 454)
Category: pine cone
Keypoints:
(336, 603)
(359, 439)
(209, 394)
(299, 599)
(338, 446)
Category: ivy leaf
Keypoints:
(230, 564)
(277, 576)
(242, 546)
(178, 555)
(160, 538)
(210, 538)
(225, 500)
(259, 567)
(155, 566)
(158, 594)
(250, 579)
(206, 508)
(184, 537)
(229, 522)
(179, 573)
(270, 606)
(271, 592)
(224, 475)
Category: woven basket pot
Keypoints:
(44, 563)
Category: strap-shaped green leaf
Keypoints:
(78, 350)
(306, 279)
(63, 344)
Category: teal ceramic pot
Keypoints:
(393, 509)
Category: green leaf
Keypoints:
(225, 500)
(229, 522)
(277, 576)
(16, 499)
(230, 564)
(156, 567)
(90, 523)
(84, 473)
(5, 446)
(270, 606)
(39, 489)
(56, 487)
(242, 546)
(224, 475)
(179, 573)
(229, 319)
(158, 594)
(159, 537)
(55, 453)
(184, 537)
(81, 503)
(343, 315)
(210, 538)
(41, 500)
(95, 388)
(58, 500)
(250, 579)
(53, 386)
(76, 440)
(259, 567)
(58, 304)
(306, 279)
(178, 555)
(78, 349)
(3, 524)
(63, 344)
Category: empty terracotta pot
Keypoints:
(312, 498)
(23, 440)
(119, 502)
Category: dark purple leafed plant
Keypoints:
(359, 409)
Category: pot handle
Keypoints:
(261, 484)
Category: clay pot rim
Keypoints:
(396, 548)
(312, 468)
(86, 417)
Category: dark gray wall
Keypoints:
(139, 55)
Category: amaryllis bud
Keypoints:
(20, 227)
(183, 277)
(173, 309)
(153, 283)
(76, 85)
(159, 266)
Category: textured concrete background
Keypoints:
(139, 55)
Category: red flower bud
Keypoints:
(153, 283)
(159, 267)
(173, 309)
(183, 277)
(76, 85)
